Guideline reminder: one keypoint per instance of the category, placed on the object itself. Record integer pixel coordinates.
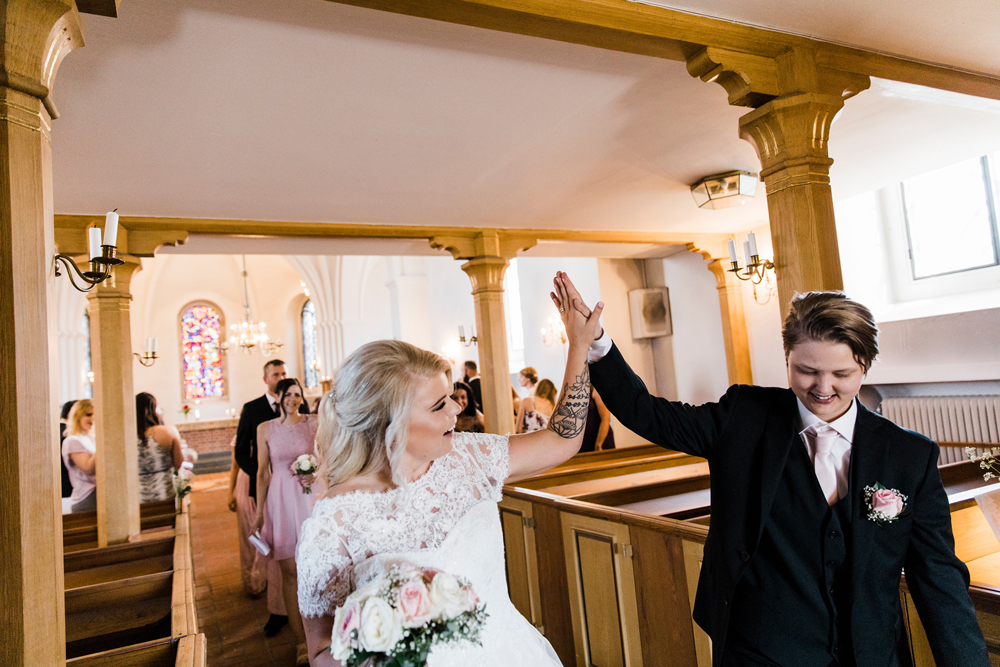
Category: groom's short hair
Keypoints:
(831, 317)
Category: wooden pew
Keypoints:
(639, 486)
(189, 651)
(80, 528)
(610, 463)
(126, 596)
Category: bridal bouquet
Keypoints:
(990, 461)
(305, 465)
(397, 618)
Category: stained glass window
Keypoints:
(310, 345)
(201, 330)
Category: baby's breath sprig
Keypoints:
(988, 461)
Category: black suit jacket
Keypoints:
(746, 438)
(254, 413)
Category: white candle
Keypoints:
(753, 245)
(197, 414)
(155, 342)
(149, 344)
(746, 252)
(732, 250)
(95, 242)
(111, 229)
(461, 332)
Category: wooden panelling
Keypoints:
(631, 487)
(694, 553)
(583, 471)
(662, 599)
(158, 653)
(601, 592)
(517, 520)
(554, 587)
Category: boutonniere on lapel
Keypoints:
(884, 505)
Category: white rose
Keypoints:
(448, 596)
(381, 626)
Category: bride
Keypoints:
(402, 486)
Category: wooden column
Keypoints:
(36, 35)
(734, 324)
(114, 406)
(487, 253)
(486, 274)
(790, 135)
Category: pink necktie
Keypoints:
(823, 438)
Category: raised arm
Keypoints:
(533, 453)
(605, 427)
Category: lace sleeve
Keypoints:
(492, 456)
(325, 568)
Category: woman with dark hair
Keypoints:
(159, 451)
(470, 419)
(282, 500)
(67, 483)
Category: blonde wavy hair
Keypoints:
(364, 421)
(80, 409)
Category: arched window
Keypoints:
(310, 345)
(201, 330)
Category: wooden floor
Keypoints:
(232, 622)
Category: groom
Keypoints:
(817, 505)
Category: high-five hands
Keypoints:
(583, 325)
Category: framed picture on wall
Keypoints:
(650, 311)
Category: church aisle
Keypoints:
(232, 621)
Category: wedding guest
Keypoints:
(67, 484)
(516, 400)
(535, 410)
(253, 414)
(159, 451)
(472, 379)
(598, 434)
(283, 498)
(398, 484)
(818, 505)
(528, 378)
(470, 419)
(79, 453)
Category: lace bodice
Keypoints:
(348, 529)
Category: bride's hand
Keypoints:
(583, 325)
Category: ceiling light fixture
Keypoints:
(732, 188)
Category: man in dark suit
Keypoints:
(818, 505)
(255, 413)
(472, 379)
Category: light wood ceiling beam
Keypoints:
(625, 26)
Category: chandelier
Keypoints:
(249, 334)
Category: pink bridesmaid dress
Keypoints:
(288, 504)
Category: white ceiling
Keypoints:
(308, 110)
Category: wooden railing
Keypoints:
(133, 604)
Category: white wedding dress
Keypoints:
(448, 519)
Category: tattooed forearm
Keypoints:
(570, 415)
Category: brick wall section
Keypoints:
(209, 436)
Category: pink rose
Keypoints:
(414, 603)
(473, 598)
(409, 571)
(886, 502)
(349, 621)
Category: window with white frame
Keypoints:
(951, 219)
(310, 344)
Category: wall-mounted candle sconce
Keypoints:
(755, 268)
(461, 336)
(149, 354)
(102, 256)
(553, 332)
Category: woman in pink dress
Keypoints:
(283, 501)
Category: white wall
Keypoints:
(763, 318)
(450, 301)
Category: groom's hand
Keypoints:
(566, 287)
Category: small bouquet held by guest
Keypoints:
(305, 466)
(182, 480)
(397, 618)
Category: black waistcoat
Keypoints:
(792, 604)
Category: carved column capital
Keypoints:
(486, 273)
(484, 243)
